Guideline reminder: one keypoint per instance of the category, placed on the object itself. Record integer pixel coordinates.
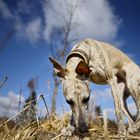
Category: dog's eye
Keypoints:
(70, 102)
(85, 100)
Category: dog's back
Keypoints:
(116, 57)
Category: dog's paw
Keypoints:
(121, 129)
(138, 125)
(133, 128)
(68, 131)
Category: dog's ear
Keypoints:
(59, 70)
(83, 69)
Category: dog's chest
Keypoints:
(99, 65)
(97, 78)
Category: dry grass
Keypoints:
(50, 129)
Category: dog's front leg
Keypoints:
(117, 104)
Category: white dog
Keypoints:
(101, 63)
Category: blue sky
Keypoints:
(25, 53)
(129, 31)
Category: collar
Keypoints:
(80, 53)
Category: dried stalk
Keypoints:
(20, 92)
(57, 136)
(3, 82)
(105, 125)
(42, 96)
(14, 116)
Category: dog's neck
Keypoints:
(72, 64)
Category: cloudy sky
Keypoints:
(26, 27)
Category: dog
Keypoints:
(101, 63)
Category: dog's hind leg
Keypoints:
(123, 94)
(117, 104)
(135, 125)
(132, 80)
(123, 97)
(137, 116)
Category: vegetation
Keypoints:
(26, 125)
(51, 128)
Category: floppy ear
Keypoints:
(83, 69)
(59, 70)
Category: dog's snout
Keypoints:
(83, 128)
(72, 121)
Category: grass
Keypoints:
(50, 129)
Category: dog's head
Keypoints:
(76, 91)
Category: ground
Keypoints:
(51, 129)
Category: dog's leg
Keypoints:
(123, 94)
(136, 98)
(131, 72)
(135, 125)
(138, 115)
(117, 103)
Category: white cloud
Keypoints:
(93, 18)
(30, 31)
(25, 30)
(104, 94)
(33, 30)
(24, 6)
(4, 10)
(9, 103)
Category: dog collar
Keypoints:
(80, 53)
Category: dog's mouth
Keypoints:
(72, 121)
(83, 130)
(82, 127)
(80, 132)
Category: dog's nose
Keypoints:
(83, 128)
